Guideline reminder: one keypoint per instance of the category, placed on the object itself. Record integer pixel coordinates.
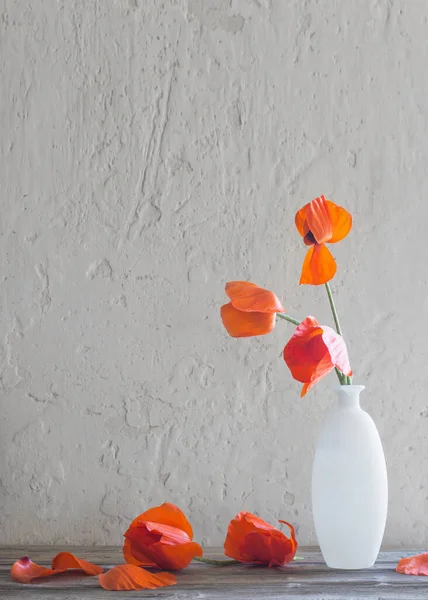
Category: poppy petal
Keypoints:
(242, 525)
(300, 220)
(337, 349)
(341, 220)
(414, 565)
(304, 351)
(131, 577)
(246, 324)
(166, 514)
(255, 523)
(319, 266)
(293, 540)
(306, 325)
(321, 364)
(65, 560)
(318, 221)
(147, 534)
(265, 549)
(322, 370)
(313, 352)
(252, 540)
(134, 555)
(174, 557)
(25, 570)
(236, 532)
(249, 297)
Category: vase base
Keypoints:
(349, 567)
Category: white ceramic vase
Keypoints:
(349, 485)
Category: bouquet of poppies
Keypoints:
(314, 350)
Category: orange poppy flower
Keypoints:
(251, 310)
(313, 352)
(252, 540)
(319, 222)
(161, 537)
(414, 565)
(130, 577)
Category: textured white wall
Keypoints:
(151, 151)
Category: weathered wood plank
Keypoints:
(309, 579)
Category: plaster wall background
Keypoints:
(150, 151)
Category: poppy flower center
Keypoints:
(143, 536)
(309, 239)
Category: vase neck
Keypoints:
(348, 396)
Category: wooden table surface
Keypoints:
(308, 578)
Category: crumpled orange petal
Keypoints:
(271, 550)
(25, 570)
(131, 577)
(166, 514)
(303, 352)
(174, 558)
(239, 528)
(318, 222)
(65, 560)
(323, 221)
(161, 536)
(251, 540)
(150, 533)
(337, 349)
(300, 221)
(319, 266)
(414, 565)
(293, 540)
(341, 221)
(168, 547)
(246, 324)
(134, 556)
(314, 351)
(249, 297)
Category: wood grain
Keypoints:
(309, 578)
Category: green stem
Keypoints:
(344, 379)
(226, 563)
(287, 318)
(341, 376)
(217, 563)
(333, 308)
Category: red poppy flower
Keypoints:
(251, 310)
(161, 537)
(319, 222)
(252, 540)
(414, 565)
(313, 352)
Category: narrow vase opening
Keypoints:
(348, 396)
(351, 389)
